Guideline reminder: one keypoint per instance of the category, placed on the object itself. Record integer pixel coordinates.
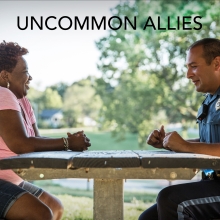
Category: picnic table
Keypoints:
(109, 169)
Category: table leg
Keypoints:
(108, 199)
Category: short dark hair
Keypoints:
(211, 48)
(9, 54)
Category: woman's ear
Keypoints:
(4, 75)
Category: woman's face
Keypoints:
(19, 79)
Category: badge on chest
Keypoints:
(217, 105)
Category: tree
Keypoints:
(81, 100)
(60, 88)
(143, 72)
(50, 99)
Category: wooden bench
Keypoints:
(109, 169)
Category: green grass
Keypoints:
(56, 189)
(81, 208)
(100, 140)
(105, 141)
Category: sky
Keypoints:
(55, 55)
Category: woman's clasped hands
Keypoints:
(78, 141)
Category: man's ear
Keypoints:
(4, 75)
(217, 63)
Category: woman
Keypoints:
(19, 134)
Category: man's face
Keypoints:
(202, 75)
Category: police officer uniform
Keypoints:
(198, 200)
(209, 126)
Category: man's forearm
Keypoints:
(193, 140)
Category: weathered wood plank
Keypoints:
(169, 159)
(107, 173)
(46, 159)
(102, 159)
(108, 199)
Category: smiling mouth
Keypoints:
(27, 85)
(194, 82)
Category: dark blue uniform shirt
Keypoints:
(209, 127)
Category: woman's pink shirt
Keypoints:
(8, 101)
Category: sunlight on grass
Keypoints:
(81, 208)
(77, 208)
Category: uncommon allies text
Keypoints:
(113, 23)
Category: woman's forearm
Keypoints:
(35, 144)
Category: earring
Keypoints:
(8, 85)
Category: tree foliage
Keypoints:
(143, 74)
(51, 99)
(47, 99)
(60, 88)
(81, 100)
(76, 101)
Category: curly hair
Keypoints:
(211, 48)
(9, 54)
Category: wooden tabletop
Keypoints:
(110, 159)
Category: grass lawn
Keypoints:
(81, 208)
(56, 189)
(99, 140)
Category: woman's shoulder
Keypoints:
(6, 92)
(8, 100)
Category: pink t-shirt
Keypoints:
(9, 101)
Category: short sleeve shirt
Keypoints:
(8, 101)
(209, 127)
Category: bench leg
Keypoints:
(108, 199)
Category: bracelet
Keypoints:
(66, 144)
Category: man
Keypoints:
(200, 200)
